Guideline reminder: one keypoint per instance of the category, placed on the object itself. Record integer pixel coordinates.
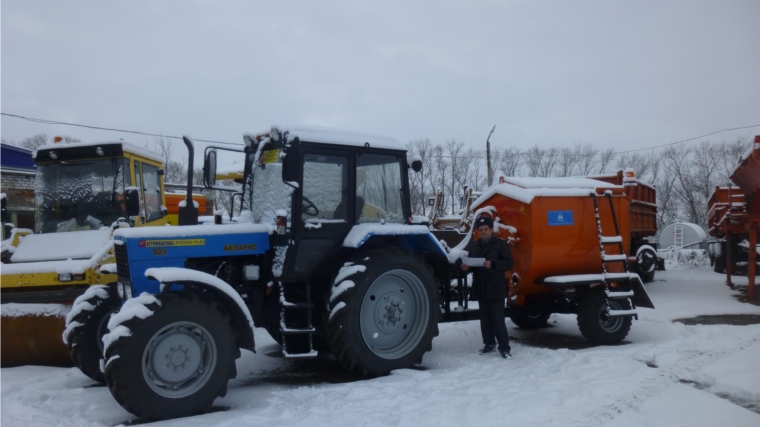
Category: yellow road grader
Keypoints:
(80, 198)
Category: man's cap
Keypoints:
(484, 220)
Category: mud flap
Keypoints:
(640, 296)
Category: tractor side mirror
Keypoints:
(416, 165)
(132, 201)
(209, 169)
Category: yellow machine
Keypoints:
(80, 197)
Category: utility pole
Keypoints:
(488, 157)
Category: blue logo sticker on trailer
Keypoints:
(560, 218)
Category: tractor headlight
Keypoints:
(128, 291)
(120, 289)
(64, 277)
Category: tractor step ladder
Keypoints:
(626, 277)
(296, 324)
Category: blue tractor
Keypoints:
(323, 254)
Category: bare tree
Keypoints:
(586, 158)
(456, 165)
(509, 160)
(606, 156)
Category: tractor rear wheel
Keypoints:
(86, 324)
(594, 320)
(382, 313)
(174, 362)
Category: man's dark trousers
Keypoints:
(492, 323)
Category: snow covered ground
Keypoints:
(664, 374)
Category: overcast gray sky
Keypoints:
(630, 74)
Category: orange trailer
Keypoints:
(734, 217)
(570, 239)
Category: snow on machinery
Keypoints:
(310, 267)
(734, 217)
(81, 192)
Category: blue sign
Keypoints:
(560, 218)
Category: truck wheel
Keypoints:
(85, 326)
(175, 361)
(530, 321)
(594, 322)
(383, 312)
(646, 261)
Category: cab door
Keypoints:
(323, 211)
(148, 181)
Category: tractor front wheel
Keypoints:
(174, 362)
(86, 324)
(382, 313)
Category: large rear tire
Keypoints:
(383, 312)
(173, 363)
(595, 323)
(85, 326)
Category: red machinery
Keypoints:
(734, 214)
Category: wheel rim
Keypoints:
(394, 314)
(179, 359)
(608, 323)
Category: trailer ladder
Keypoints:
(624, 278)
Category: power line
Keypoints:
(53, 122)
(519, 153)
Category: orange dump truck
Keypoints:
(571, 239)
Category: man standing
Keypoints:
(490, 285)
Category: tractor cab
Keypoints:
(317, 190)
(83, 186)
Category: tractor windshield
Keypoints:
(268, 193)
(84, 195)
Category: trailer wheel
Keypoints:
(530, 321)
(85, 329)
(594, 322)
(387, 319)
(646, 262)
(174, 362)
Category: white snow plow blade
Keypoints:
(61, 246)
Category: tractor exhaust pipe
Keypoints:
(188, 214)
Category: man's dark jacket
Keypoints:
(490, 283)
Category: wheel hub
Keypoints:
(393, 314)
(178, 359)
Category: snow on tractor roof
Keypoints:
(326, 135)
(525, 189)
(125, 146)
